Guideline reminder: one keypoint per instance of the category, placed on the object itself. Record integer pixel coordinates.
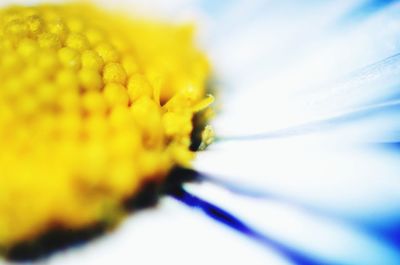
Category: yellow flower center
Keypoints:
(93, 106)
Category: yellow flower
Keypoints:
(93, 106)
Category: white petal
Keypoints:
(285, 69)
(351, 180)
(325, 239)
(170, 234)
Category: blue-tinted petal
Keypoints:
(319, 238)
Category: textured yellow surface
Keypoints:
(93, 105)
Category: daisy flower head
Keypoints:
(96, 107)
(304, 165)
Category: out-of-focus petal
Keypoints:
(328, 240)
(170, 234)
(292, 65)
(357, 181)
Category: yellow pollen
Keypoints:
(114, 73)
